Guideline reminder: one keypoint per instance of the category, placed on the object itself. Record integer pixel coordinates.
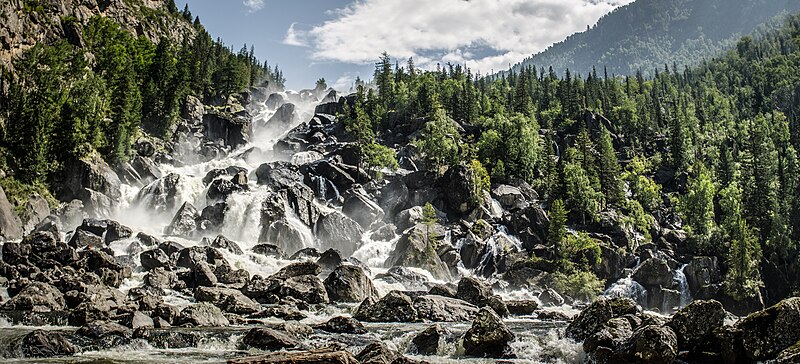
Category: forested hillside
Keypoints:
(97, 89)
(710, 149)
(647, 34)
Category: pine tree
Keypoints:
(581, 196)
(609, 169)
(556, 231)
(697, 206)
(743, 279)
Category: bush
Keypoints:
(579, 285)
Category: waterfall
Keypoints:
(680, 279)
(627, 287)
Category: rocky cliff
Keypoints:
(28, 22)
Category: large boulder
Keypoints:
(429, 341)
(348, 283)
(769, 332)
(307, 288)
(34, 211)
(297, 269)
(283, 117)
(702, 272)
(488, 336)
(510, 197)
(362, 209)
(203, 315)
(285, 235)
(458, 184)
(227, 299)
(90, 172)
(417, 248)
(46, 344)
(161, 195)
(342, 325)
(37, 297)
(444, 309)
(593, 318)
(268, 339)
(651, 344)
(474, 290)
(185, 221)
(234, 130)
(394, 307)
(693, 323)
(654, 272)
(335, 230)
(394, 197)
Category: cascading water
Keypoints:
(680, 278)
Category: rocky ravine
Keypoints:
(308, 253)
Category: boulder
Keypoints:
(651, 344)
(46, 344)
(377, 353)
(34, 211)
(488, 336)
(36, 297)
(769, 332)
(297, 269)
(474, 291)
(10, 224)
(444, 309)
(330, 259)
(101, 329)
(184, 223)
(269, 250)
(283, 118)
(220, 189)
(348, 283)
(592, 319)
(193, 110)
(510, 197)
(154, 258)
(161, 195)
(83, 239)
(611, 336)
(233, 130)
(116, 231)
(654, 272)
(394, 197)
(229, 300)
(549, 297)
(342, 325)
(458, 185)
(417, 248)
(429, 341)
(693, 323)
(394, 307)
(278, 175)
(202, 315)
(282, 233)
(90, 172)
(307, 288)
(335, 230)
(522, 307)
(702, 272)
(268, 339)
(160, 278)
(138, 320)
(362, 209)
(222, 242)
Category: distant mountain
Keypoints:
(647, 34)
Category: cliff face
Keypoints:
(24, 23)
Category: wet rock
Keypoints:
(305, 254)
(693, 323)
(394, 197)
(488, 336)
(510, 197)
(229, 300)
(222, 242)
(283, 312)
(394, 307)
(339, 232)
(37, 297)
(190, 257)
(278, 175)
(404, 276)
(496, 303)
(458, 186)
(269, 250)
(612, 336)
(184, 223)
(297, 269)
(377, 353)
(360, 208)
(416, 248)
(549, 297)
(654, 272)
(82, 239)
(652, 344)
(154, 258)
(138, 320)
(348, 283)
(46, 344)
(203, 276)
(330, 259)
(769, 332)
(101, 329)
(444, 309)
(702, 272)
(268, 339)
(116, 231)
(147, 240)
(342, 325)
(234, 130)
(10, 224)
(287, 236)
(284, 116)
(91, 173)
(306, 288)
(220, 189)
(332, 172)
(202, 315)
(522, 307)
(474, 291)
(597, 314)
(428, 342)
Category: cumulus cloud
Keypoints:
(485, 34)
(295, 37)
(253, 5)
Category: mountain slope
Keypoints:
(647, 34)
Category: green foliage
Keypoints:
(579, 285)
(556, 231)
(580, 251)
(580, 194)
(697, 206)
(743, 278)
(441, 142)
(509, 147)
(480, 179)
(609, 169)
(379, 157)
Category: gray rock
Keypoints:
(769, 332)
(394, 307)
(229, 300)
(269, 339)
(652, 344)
(488, 336)
(348, 283)
(335, 230)
(184, 223)
(429, 341)
(693, 323)
(444, 309)
(297, 269)
(46, 344)
(654, 272)
(233, 130)
(361, 209)
(416, 248)
(203, 315)
(10, 224)
(37, 297)
(342, 325)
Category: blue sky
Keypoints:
(341, 39)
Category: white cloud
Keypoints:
(253, 5)
(344, 83)
(295, 37)
(485, 34)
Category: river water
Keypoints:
(537, 341)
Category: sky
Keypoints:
(342, 39)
